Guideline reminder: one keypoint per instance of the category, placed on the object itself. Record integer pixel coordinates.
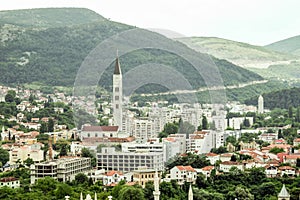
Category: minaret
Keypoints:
(190, 193)
(283, 195)
(260, 108)
(117, 95)
(156, 191)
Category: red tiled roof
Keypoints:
(292, 156)
(208, 168)
(186, 168)
(211, 154)
(111, 173)
(226, 155)
(100, 128)
(230, 163)
(286, 168)
(8, 179)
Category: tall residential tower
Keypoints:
(260, 109)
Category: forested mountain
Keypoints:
(289, 45)
(279, 99)
(48, 46)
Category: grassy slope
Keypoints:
(289, 45)
(242, 54)
(48, 17)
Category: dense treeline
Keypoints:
(250, 184)
(280, 99)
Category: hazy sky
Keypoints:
(253, 21)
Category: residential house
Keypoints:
(271, 170)
(183, 174)
(112, 177)
(10, 182)
(227, 165)
(213, 158)
(144, 175)
(290, 171)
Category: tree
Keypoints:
(50, 125)
(131, 193)
(81, 178)
(46, 185)
(28, 162)
(240, 194)
(200, 194)
(204, 123)
(116, 190)
(10, 96)
(290, 112)
(4, 156)
(170, 128)
(276, 150)
(148, 190)
(298, 114)
(187, 128)
(63, 190)
(219, 150)
(88, 154)
(44, 127)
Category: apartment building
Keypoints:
(63, 169)
(109, 159)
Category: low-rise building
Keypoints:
(112, 177)
(227, 165)
(289, 171)
(10, 182)
(99, 132)
(213, 158)
(144, 175)
(183, 174)
(271, 170)
(206, 171)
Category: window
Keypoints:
(117, 106)
(116, 89)
(117, 98)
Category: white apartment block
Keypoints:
(169, 147)
(64, 169)
(236, 122)
(143, 128)
(201, 141)
(109, 159)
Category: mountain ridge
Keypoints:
(51, 53)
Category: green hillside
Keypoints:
(48, 17)
(281, 71)
(50, 52)
(239, 53)
(279, 99)
(289, 45)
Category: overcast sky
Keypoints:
(257, 22)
